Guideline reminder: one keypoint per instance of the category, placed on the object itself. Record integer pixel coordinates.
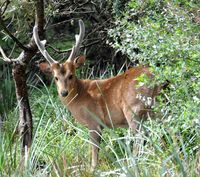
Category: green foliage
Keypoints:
(7, 93)
(166, 36)
(118, 6)
(162, 34)
(13, 20)
(61, 145)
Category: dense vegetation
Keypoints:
(162, 34)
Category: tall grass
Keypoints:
(61, 146)
(7, 94)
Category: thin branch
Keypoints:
(98, 27)
(58, 50)
(84, 3)
(74, 12)
(5, 58)
(3, 27)
(16, 60)
(60, 23)
(29, 51)
(6, 3)
(93, 43)
(68, 50)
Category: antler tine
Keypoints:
(5, 58)
(79, 39)
(41, 46)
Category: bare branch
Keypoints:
(83, 46)
(61, 23)
(74, 12)
(3, 27)
(16, 60)
(5, 58)
(98, 27)
(6, 3)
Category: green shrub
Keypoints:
(166, 36)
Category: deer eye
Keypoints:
(56, 78)
(70, 77)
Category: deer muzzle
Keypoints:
(64, 93)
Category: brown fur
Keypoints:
(112, 102)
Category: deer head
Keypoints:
(64, 73)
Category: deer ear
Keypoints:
(45, 68)
(78, 61)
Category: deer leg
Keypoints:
(132, 119)
(135, 128)
(95, 136)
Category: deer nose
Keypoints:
(64, 93)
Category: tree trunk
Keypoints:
(25, 116)
(19, 75)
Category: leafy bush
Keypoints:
(166, 36)
(163, 34)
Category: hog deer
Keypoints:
(115, 102)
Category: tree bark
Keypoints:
(19, 69)
(19, 74)
(25, 116)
